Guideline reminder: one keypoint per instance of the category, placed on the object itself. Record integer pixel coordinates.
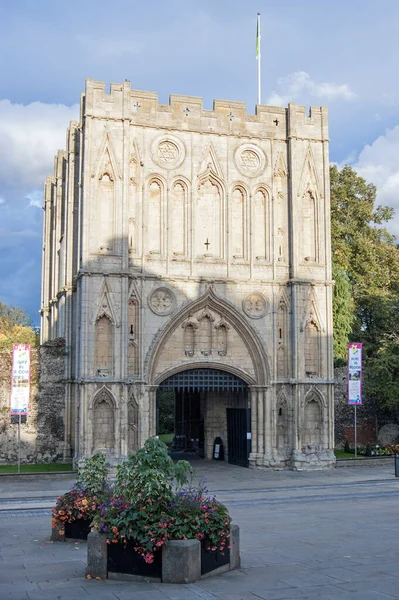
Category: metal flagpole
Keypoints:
(258, 55)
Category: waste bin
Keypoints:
(396, 465)
(218, 450)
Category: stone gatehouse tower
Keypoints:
(189, 250)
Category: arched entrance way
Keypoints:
(209, 404)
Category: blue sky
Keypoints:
(339, 53)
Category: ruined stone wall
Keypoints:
(42, 430)
(374, 425)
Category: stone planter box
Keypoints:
(77, 530)
(179, 561)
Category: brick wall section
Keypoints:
(42, 431)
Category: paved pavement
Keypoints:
(320, 535)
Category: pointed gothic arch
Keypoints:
(261, 224)
(313, 420)
(209, 216)
(103, 421)
(132, 425)
(254, 347)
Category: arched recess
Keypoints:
(310, 233)
(312, 429)
(209, 216)
(154, 216)
(254, 348)
(104, 342)
(238, 225)
(312, 349)
(221, 337)
(261, 225)
(282, 425)
(103, 421)
(178, 219)
(282, 338)
(133, 335)
(132, 425)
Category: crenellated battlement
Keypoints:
(187, 113)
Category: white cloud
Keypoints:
(35, 198)
(378, 163)
(299, 85)
(2, 201)
(30, 136)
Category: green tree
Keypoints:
(366, 271)
(15, 327)
(343, 311)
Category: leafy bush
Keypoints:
(150, 505)
(92, 473)
(151, 473)
(91, 489)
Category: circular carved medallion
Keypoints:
(168, 152)
(162, 301)
(255, 305)
(250, 160)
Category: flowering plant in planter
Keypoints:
(151, 506)
(83, 500)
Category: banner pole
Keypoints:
(355, 433)
(19, 443)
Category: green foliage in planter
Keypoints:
(151, 473)
(92, 473)
(90, 492)
(150, 505)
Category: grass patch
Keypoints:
(343, 454)
(167, 438)
(40, 468)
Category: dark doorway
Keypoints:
(202, 401)
(239, 435)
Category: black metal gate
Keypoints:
(239, 435)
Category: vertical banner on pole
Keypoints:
(20, 379)
(355, 373)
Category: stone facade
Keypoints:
(178, 238)
(42, 430)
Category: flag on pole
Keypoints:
(258, 38)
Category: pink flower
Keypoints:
(148, 557)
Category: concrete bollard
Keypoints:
(181, 561)
(235, 560)
(97, 554)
